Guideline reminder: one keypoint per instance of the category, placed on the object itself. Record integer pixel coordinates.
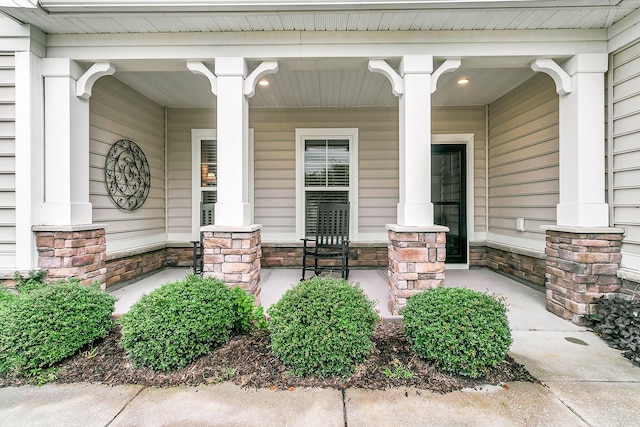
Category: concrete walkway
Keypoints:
(584, 383)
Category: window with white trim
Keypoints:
(204, 176)
(327, 172)
(204, 181)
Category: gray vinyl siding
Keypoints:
(626, 150)
(524, 162)
(7, 161)
(275, 162)
(119, 112)
(180, 121)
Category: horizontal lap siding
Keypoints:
(180, 123)
(275, 163)
(468, 120)
(7, 161)
(625, 116)
(119, 112)
(523, 162)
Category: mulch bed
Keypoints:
(247, 361)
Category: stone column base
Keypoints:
(581, 265)
(416, 262)
(232, 254)
(78, 251)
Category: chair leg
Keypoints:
(304, 264)
(194, 264)
(316, 270)
(345, 262)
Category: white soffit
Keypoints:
(88, 17)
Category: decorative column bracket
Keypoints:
(86, 81)
(559, 76)
(265, 68)
(200, 68)
(446, 67)
(381, 66)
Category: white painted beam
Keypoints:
(233, 207)
(66, 138)
(582, 153)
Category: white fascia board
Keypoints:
(56, 6)
(293, 44)
(624, 32)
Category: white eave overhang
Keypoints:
(25, 4)
(88, 6)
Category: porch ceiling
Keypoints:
(327, 83)
(337, 82)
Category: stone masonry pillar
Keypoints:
(232, 254)
(582, 265)
(416, 262)
(78, 251)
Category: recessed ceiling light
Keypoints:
(263, 82)
(463, 81)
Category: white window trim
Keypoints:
(468, 140)
(198, 135)
(350, 134)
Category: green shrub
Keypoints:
(47, 324)
(178, 322)
(35, 280)
(322, 326)
(464, 331)
(248, 317)
(6, 295)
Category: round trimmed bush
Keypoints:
(176, 323)
(464, 331)
(47, 324)
(322, 326)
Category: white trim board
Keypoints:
(328, 133)
(196, 136)
(467, 139)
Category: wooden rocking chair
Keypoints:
(331, 240)
(206, 218)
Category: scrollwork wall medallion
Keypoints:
(127, 175)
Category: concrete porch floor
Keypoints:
(522, 300)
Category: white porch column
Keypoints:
(66, 130)
(233, 206)
(29, 96)
(582, 150)
(415, 207)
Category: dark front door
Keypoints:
(449, 195)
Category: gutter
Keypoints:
(101, 6)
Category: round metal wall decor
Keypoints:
(126, 175)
